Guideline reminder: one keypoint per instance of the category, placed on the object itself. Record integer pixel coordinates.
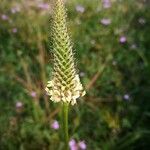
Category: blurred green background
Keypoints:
(112, 43)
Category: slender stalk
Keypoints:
(65, 109)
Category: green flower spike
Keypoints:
(65, 85)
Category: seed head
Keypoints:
(65, 84)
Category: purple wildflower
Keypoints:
(126, 96)
(77, 146)
(33, 94)
(43, 6)
(106, 3)
(14, 30)
(82, 145)
(123, 39)
(4, 17)
(19, 104)
(73, 145)
(72, 142)
(80, 9)
(105, 21)
(55, 125)
(15, 10)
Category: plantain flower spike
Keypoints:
(65, 85)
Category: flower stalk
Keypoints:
(65, 110)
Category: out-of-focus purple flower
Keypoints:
(80, 9)
(77, 146)
(142, 21)
(106, 21)
(33, 94)
(43, 6)
(72, 142)
(15, 10)
(82, 145)
(4, 17)
(14, 30)
(73, 145)
(123, 39)
(126, 96)
(19, 104)
(106, 3)
(55, 125)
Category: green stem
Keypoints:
(65, 124)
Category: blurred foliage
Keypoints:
(115, 113)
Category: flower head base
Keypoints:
(58, 92)
(65, 85)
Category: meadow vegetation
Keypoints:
(111, 41)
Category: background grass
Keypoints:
(115, 113)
